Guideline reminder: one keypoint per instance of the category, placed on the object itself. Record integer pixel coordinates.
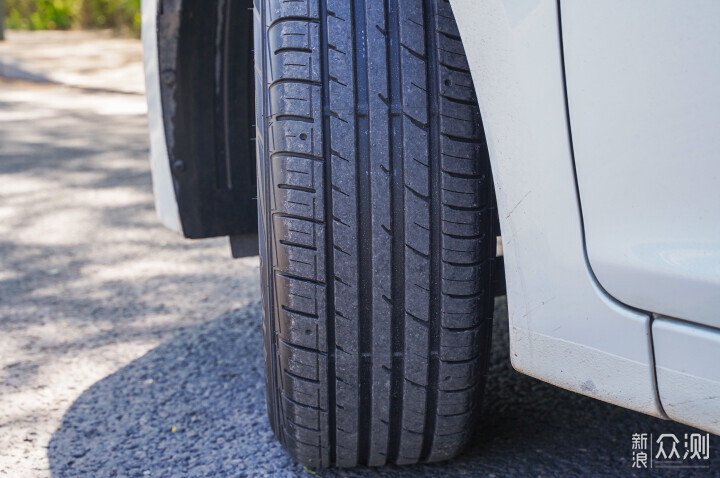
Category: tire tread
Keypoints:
(377, 230)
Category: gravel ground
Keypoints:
(127, 351)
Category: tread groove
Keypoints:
(364, 213)
(302, 347)
(431, 406)
(396, 135)
(329, 237)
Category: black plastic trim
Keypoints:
(208, 97)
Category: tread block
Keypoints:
(301, 362)
(299, 100)
(293, 52)
(282, 9)
(298, 181)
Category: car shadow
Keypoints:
(195, 406)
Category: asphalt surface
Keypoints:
(127, 351)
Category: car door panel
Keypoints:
(643, 86)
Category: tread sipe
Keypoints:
(377, 230)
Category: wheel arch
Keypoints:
(564, 329)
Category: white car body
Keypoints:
(609, 193)
(165, 201)
(603, 127)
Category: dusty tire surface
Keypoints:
(376, 228)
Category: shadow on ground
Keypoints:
(195, 406)
(89, 279)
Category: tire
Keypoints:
(376, 228)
